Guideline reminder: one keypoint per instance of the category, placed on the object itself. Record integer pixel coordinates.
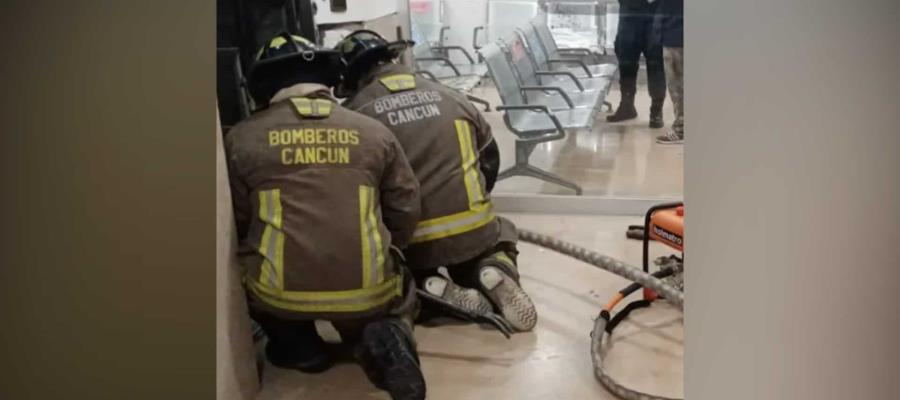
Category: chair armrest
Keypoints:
(572, 61)
(427, 74)
(563, 73)
(536, 108)
(475, 37)
(459, 48)
(580, 50)
(441, 34)
(551, 89)
(442, 59)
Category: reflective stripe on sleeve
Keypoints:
(480, 210)
(370, 238)
(271, 245)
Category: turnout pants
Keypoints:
(295, 338)
(633, 39)
(502, 254)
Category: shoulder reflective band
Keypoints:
(480, 210)
(279, 41)
(372, 251)
(397, 83)
(312, 108)
(333, 301)
(271, 246)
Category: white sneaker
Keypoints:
(469, 299)
(513, 303)
(670, 138)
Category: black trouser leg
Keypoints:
(628, 52)
(656, 73)
(293, 344)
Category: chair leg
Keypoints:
(523, 168)
(538, 173)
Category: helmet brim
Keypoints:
(268, 76)
(372, 55)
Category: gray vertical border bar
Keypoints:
(792, 157)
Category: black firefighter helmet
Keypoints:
(362, 49)
(287, 60)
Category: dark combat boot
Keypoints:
(625, 111)
(387, 354)
(656, 116)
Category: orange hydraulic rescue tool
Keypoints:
(665, 224)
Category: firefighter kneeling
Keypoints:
(450, 148)
(316, 226)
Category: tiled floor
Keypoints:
(466, 361)
(611, 160)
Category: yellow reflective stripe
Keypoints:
(271, 245)
(472, 167)
(505, 258)
(378, 273)
(332, 301)
(323, 108)
(277, 42)
(399, 82)
(455, 224)
(463, 151)
(303, 106)
(317, 108)
(276, 209)
(364, 235)
(469, 162)
(370, 237)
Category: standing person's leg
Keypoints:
(656, 76)
(628, 53)
(674, 63)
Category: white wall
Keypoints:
(357, 10)
(792, 192)
(236, 374)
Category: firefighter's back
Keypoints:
(313, 170)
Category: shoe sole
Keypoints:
(388, 350)
(473, 301)
(513, 303)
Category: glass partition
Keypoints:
(607, 159)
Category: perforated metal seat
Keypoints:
(576, 118)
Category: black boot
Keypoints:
(306, 355)
(656, 116)
(387, 354)
(626, 109)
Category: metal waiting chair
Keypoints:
(546, 61)
(538, 57)
(460, 84)
(435, 60)
(569, 88)
(532, 124)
